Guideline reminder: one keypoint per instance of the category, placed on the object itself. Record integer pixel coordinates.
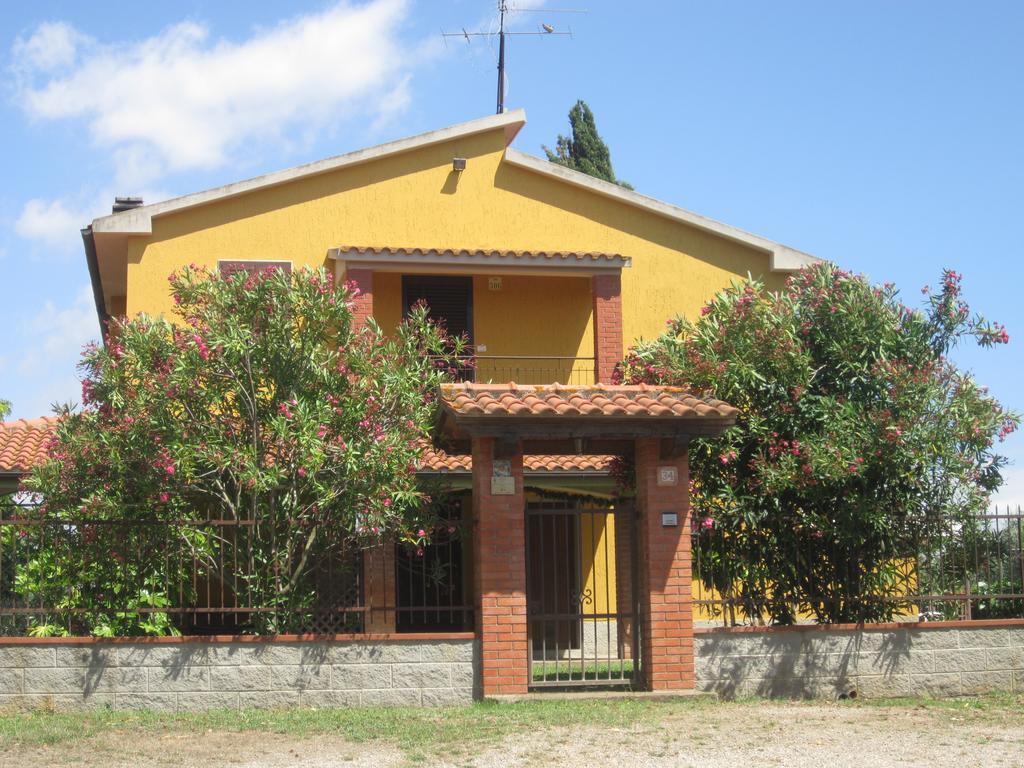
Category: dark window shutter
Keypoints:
(449, 299)
(229, 268)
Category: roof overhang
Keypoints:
(139, 221)
(478, 261)
(783, 258)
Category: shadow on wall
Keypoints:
(793, 665)
(116, 668)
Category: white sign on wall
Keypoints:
(502, 482)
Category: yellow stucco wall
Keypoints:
(597, 549)
(415, 200)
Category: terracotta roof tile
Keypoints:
(23, 443)
(480, 253)
(436, 460)
(597, 401)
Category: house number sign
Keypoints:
(502, 482)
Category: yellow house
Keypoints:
(552, 275)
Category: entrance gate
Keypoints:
(581, 607)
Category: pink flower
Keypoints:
(421, 533)
(321, 431)
(164, 497)
(169, 469)
(302, 472)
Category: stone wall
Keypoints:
(192, 675)
(933, 659)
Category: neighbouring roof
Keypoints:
(637, 401)
(23, 443)
(479, 257)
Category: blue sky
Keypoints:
(883, 136)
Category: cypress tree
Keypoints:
(585, 151)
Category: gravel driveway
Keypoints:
(727, 735)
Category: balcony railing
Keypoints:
(527, 369)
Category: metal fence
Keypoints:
(128, 577)
(967, 570)
(522, 369)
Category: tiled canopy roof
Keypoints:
(436, 460)
(595, 401)
(22, 446)
(23, 443)
(479, 254)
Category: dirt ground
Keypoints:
(769, 734)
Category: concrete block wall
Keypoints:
(195, 675)
(933, 659)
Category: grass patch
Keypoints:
(568, 670)
(424, 730)
(424, 733)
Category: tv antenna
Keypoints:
(546, 30)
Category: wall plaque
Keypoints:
(502, 482)
(668, 476)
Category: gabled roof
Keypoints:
(783, 258)
(139, 221)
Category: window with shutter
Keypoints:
(448, 298)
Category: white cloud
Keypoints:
(58, 335)
(54, 223)
(52, 46)
(184, 100)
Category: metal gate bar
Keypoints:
(576, 637)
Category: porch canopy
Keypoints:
(478, 260)
(653, 424)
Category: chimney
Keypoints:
(126, 203)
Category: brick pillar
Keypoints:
(624, 577)
(362, 305)
(380, 593)
(666, 600)
(607, 294)
(499, 553)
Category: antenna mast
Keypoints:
(503, 11)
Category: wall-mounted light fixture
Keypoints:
(458, 164)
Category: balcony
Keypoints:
(522, 369)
